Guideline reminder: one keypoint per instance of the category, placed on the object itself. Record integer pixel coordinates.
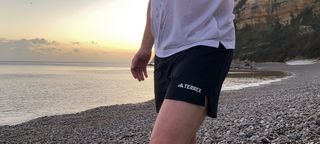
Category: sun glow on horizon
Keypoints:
(75, 30)
(116, 24)
(113, 24)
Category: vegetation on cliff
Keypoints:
(276, 42)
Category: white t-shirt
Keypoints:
(181, 24)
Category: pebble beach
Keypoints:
(286, 111)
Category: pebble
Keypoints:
(274, 113)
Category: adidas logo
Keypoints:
(180, 85)
(189, 87)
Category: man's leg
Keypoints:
(194, 139)
(177, 122)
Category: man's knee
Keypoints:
(172, 137)
(168, 138)
(177, 122)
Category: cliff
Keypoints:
(277, 30)
(261, 12)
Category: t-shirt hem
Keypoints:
(215, 44)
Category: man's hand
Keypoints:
(139, 64)
(141, 58)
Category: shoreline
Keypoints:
(254, 77)
(285, 111)
(257, 84)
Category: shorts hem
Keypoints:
(211, 115)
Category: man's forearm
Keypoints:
(148, 39)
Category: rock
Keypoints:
(265, 140)
(242, 65)
(305, 30)
(255, 12)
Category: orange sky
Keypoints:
(91, 26)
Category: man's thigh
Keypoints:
(177, 122)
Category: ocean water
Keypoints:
(28, 91)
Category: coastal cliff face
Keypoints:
(261, 12)
(277, 30)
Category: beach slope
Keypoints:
(281, 112)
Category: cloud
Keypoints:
(25, 44)
(28, 49)
(76, 50)
(38, 41)
(75, 43)
(94, 43)
(48, 51)
(41, 49)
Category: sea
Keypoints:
(29, 90)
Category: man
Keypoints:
(194, 42)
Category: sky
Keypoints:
(71, 30)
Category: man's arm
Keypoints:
(141, 58)
(148, 39)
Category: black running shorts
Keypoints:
(191, 75)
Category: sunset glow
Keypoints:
(97, 25)
(115, 23)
